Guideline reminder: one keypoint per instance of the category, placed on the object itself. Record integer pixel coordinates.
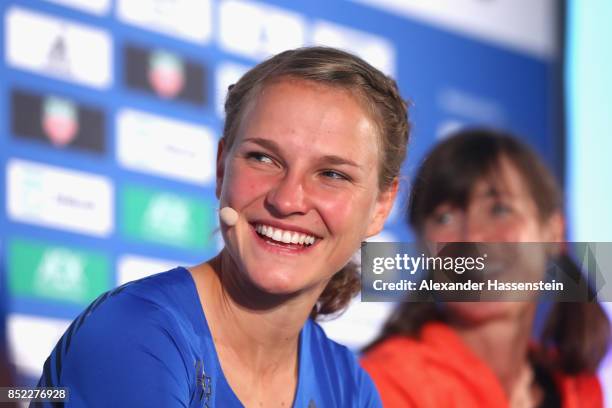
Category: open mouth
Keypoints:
(280, 238)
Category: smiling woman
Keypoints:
(307, 169)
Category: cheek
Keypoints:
(519, 230)
(440, 233)
(344, 211)
(241, 185)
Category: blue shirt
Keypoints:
(147, 344)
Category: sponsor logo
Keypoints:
(167, 218)
(46, 271)
(227, 74)
(471, 105)
(186, 19)
(164, 74)
(60, 271)
(163, 208)
(58, 48)
(58, 121)
(134, 267)
(31, 339)
(175, 149)
(59, 198)
(58, 60)
(257, 31)
(99, 7)
(376, 50)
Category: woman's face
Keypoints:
(303, 174)
(500, 210)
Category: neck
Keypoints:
(503, 344)
(257, 328)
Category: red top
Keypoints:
(439, 370)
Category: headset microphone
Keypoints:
(229, 216)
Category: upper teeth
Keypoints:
(288, 237)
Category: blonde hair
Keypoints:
(381, 98)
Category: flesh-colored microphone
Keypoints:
(229, 216)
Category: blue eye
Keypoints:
(259, 157)
(334, 175)
(500, 209)
(443, 218)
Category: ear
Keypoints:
(555, 227)
(554, 233)
(382, 208)
(220, 167)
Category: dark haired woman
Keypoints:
(484, 186)
(300, 186)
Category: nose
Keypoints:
(472, 229)
(287, 197)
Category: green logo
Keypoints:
(166, 218)
(54, 272)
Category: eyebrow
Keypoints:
(266, 143)
(494, 192)
(275, 147)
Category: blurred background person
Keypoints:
(484, 186)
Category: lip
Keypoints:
(284, 249)
(286, 227)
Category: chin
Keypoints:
(474, 313)
(277, 281)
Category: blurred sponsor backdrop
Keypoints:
(588, 84)
(110, 112)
